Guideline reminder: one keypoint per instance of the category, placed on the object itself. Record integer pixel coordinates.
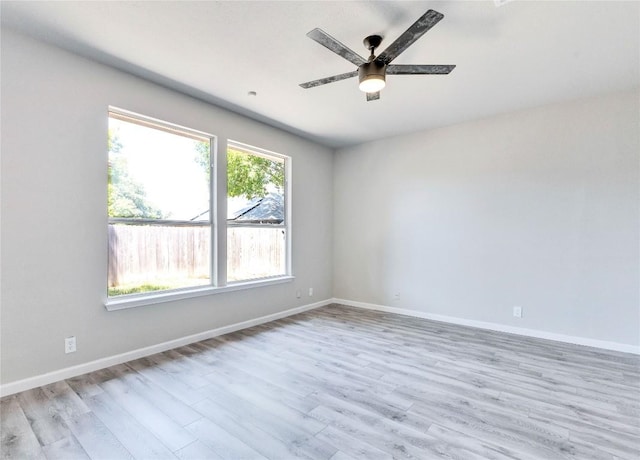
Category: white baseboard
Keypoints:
(615, 346)
(55, 376)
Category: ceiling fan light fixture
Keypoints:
(371, 76)
(372, 84)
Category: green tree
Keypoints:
(202, 158)
(247, 175)
(125, 196)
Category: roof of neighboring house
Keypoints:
(269, 209)
(266, 210)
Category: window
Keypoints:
(165, 239)
(159, 200)
(256, 214)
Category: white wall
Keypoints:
(537, 208)
(54, 224)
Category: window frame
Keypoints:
(253, 150)
(217, 220)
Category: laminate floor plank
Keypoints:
(247, 397)
(169, 382)
(317, 342)
(480, 428)
(312, 349)
(86, 385)
(65, 449)
(478, 446)
(256, 383)
(133, 436)
(395, 438)
(197, 451)
(361, 396)
(288, 426)
(43, 416)
(66, 401)
(188, 359)
(18, 441)
(168, 431)
(96, 439)
(366, 416)
(194, 351)
(174, 364)
(394, 446)
(256, 433)
(365, 376)
(217, 439)
(352, 446)
(177, 410)
(341, 456)
(275, 376)
(340, 383)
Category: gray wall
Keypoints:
(537, 209)
(54, 224)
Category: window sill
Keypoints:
(138, 300)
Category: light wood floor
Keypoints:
(341, 383)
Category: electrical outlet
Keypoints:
(70, 344)
(310, 292)
(298, 294)
(517, 312)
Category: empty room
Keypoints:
(323, 230)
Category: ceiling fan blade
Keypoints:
(417, 69)
(373, 96)
(324, 81)
(422, 25)
(334, 45)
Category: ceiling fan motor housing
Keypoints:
(372, 70)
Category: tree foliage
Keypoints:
(248, 175)
(203, 158)
(125, 196)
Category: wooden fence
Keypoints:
(180, 255)
(255, 252)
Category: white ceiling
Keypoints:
(522, 54)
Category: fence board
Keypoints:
(155, 254)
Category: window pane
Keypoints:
(255, 204)
(255, 252)
(158, 207)
(145, 258)
(156, 174)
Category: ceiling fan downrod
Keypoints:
(372, 74)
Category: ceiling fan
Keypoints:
(372, 72)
